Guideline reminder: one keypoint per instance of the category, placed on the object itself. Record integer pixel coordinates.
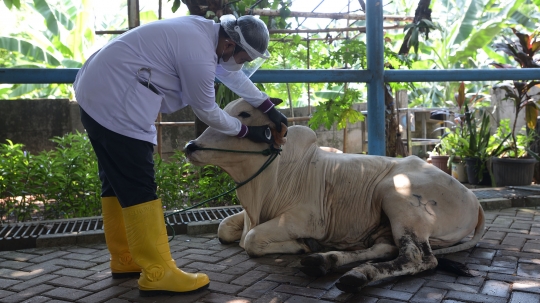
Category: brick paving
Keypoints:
(506, 265)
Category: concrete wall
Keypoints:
(34, 122)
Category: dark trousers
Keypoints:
(126, 165)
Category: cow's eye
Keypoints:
(244, 115)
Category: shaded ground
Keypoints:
(506, 264)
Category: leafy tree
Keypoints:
(468, 28)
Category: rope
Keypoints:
(271, 151)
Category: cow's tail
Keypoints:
(478, 232)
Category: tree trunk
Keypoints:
(391, 122)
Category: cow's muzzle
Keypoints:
(190, 147)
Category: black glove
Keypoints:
(277, 117)
(259, 134)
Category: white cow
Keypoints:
(362, 207)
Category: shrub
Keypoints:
(64, 182)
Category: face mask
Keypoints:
(230, 65)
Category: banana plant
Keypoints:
(58, 43)
(468, 29)
(62, 40)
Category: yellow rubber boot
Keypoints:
(122, 264)
(149, 246)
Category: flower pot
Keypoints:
(459, 172)
(474, 175)
(513, 171)
(441, 162)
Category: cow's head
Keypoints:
(229, 161)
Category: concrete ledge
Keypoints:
(495, 203)
(56, 240)
(501, 203)
(90, 237)
(203, 227)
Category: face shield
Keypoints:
(249, 68)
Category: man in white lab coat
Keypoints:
(162, 67)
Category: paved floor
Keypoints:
(506, 265)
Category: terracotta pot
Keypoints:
(441, 162)
(513, 171)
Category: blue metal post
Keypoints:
(375, 61)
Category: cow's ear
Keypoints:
(276, 101)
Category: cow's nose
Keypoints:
(190, 147)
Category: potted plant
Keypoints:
(479, 146)
(515, 167)
(440, 155)
(455, 140)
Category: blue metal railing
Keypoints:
(375, 76)
(67, 75)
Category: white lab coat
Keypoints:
(181, 54)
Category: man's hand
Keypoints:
(259, 134)
(277, 117)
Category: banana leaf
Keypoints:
(28, 49)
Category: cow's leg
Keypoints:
(414, 256)
(319, 264)
(273, 237)
(230, 229)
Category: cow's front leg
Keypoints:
(414, 256)
(273, 237)
(321, 263)
(230, 229)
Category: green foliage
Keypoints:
(224, 95)
(182, 185)
(337, 110)
(351, 52)
(513, 149)
(413, 31)
(61, 183)
(175, 5)
(64, 182)
(13, 3)
(288, 55)
(449, 144)
(523, 49)
(468, 28)
(479, 141)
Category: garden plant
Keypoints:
(63, 183)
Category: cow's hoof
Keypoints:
(352, 282)
(347, 288)
(317, 271)
(313, 265)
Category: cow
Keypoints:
(394, 214)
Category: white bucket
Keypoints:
(459, 172)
